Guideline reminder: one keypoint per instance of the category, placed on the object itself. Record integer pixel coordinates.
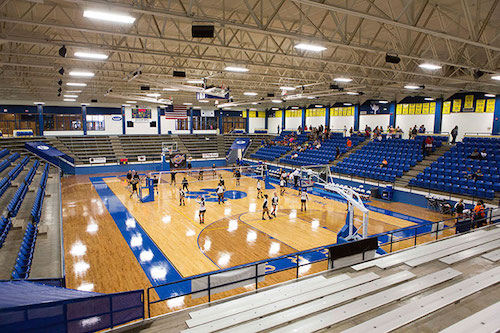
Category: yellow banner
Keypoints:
(425, 108)
(432, 108)
(405, 108)
(480, 105)
(278, 114)
(411, 110)
(399, 109)
(418, 108)
(352, 111)
(457, 105)
(469, 103)
(446, 107)
(244, 114)
(490, 105)
(252, 114)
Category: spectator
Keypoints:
(429, 143)
(349, 143)
(414, 132)
(483, 154)
(421, 129)
(337, 152)
(454, 133)
(294, 156)
(477, 175)
(351, 131)
(468, 173)
(475, 155)
(384, 163)
(479, 214)
(278, 129)
(459, 208)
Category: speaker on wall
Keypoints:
(152, 124)
(179, 74)
(202, 31)
(130, 124)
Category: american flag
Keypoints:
(176, 112)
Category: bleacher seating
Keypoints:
(4, 152)
(5, 225)
(325, 154)
(449, 172)
(270, 153)
(17, 200)
(400, 154)
(32, 172)
(14, 157)
(25, 255)
(18, 168)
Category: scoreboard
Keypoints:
(139, 114)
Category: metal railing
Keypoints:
(299, 258)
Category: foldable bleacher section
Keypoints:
(401, 155)
(27, 249)
(325, 154)
(448, 173)
(353, 300)
(86, 147)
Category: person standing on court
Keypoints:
(203, 209)
(259, 189)
(134, 183)
(129, 177)
(185, 184)
(274, 203)
(220, 193)
(265, 208)
(182, 196)
(189, 166)
(303, 200)
(454, 133)
(172, 177)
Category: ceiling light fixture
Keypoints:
(255, 103)
(412, 87)
(153, 95)
(84, 74)
(131, 102)
(489, 95)
(76, 84)
(39, 103)
(310, 47)
(496, 77)
(249, 93)
(429, 66)
(107, 16)
(195, 81)
(90, 55)
(187, 103)
(276, 101)
(353, 93)
(383, 102)
(125, 104)
(73, 91)
(342, 79)
(311, 97)
(287, 88)
(170, 89)
(429, 99)
(71, 96)
(203, 101)
(70, 100)
(294, 108)
(318, 106)
(347, 104)
(236, 69)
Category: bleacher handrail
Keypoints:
(493, 218)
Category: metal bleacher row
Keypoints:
(449, 173)
(381, 300)
(27, 249)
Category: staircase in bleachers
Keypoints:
(325, 154)
(449, 173)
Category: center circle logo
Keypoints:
(42, 147)
(210, 194)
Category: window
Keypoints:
(95, 123)
(199, 123)
(62, 122)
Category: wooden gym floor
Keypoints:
(115, 243)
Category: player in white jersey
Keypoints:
(282, 185)
(303, 199)
(259, 189)
(182, 196)
(274, 203)
(220, 193)
(203, 209)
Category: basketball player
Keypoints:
(237, 175)
(259, 189)
(282, 185)
(274, 203)
(185, 184)
(265, 208)
(220, 193)
(182, 196)
(203, 209)
(303, 199)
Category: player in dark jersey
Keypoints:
(265, 208)
(237, 175)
